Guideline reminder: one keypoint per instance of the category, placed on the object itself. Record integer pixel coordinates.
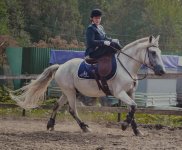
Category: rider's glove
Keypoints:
(115, 40)
(107, 43)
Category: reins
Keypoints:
(146, 73)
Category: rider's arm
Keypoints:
(106, 37)
(91, 41)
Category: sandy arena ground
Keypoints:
(31, 134)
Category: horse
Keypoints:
(123, 84)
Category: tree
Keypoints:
(3, 18)
(63, 19)
(164, 17)
(85, 7)
(125, 19)
(122, 19)
(16, 21)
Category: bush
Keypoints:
(57, 42)
(4, 96)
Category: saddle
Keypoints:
(104, 69)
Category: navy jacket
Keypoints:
(95, 37)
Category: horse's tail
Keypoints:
(33, 94)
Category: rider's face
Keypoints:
(96, 20)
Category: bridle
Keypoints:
(145, 64)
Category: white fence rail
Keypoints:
(174, 111)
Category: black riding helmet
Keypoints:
(96, 13)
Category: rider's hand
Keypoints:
(115, 40)
(107, 43)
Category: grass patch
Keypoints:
(167, 120)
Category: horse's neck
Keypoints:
(131, 65)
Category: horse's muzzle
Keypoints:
(158, 70)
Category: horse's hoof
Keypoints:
(124, 125)
(51, 129)
(50, 124)
(86, 130)
(138, 133)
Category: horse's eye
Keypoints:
(153, 53)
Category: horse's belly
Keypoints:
(88, 87)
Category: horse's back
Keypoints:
(66, 71)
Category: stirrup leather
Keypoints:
(105, 87)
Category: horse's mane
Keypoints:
(135, 43)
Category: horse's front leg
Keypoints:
(123, 96)
(61, 102)
(134, 126)
(130, 119)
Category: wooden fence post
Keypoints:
(23, 113)
(119, 114)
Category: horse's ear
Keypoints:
(157, 38)
(156, 41)
(150, 39)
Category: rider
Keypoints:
(97, 43)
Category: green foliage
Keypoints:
(126, 19)
(133, 19)
(4, 96)
(63, 19)
(30, 20)
(165, 17)
(167, 120)
(15, 19)
(50, 101)
(172, 121)
(3, 18)
(15, 22)
(85, 7)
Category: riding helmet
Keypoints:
(96, 13)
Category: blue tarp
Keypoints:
(170, 61)
(61, 56)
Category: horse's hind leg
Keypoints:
(57, 106)
(73, 111)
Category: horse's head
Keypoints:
(154, 60)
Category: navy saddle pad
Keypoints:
(85, 70)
